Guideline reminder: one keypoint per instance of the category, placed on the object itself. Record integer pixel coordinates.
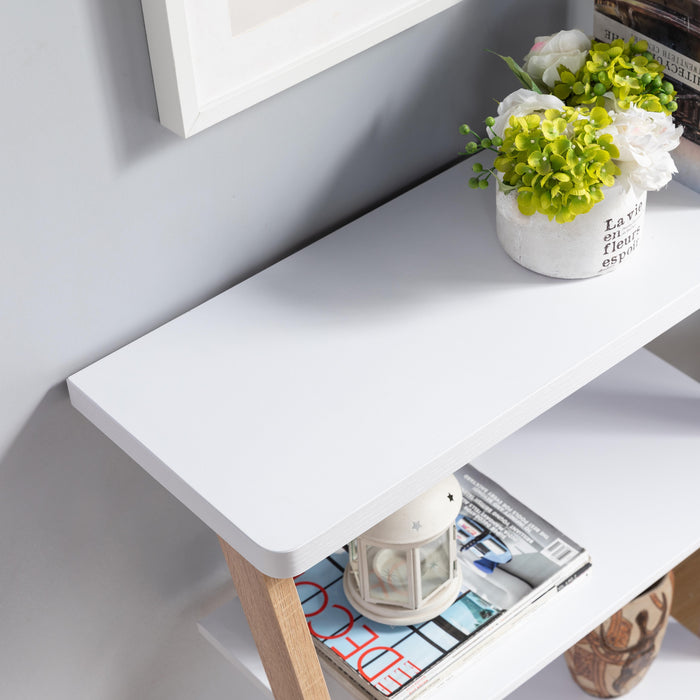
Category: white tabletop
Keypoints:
(297, 409)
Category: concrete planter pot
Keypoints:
(614, 657)
(593, 243)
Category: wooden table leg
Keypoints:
(280, 631)
(686, 594)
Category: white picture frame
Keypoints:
(214, 58)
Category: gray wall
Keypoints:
(112, 226)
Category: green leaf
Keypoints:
(561, 146)
(561, 90)
(504, 187)
(558, 163)
(599, 117)
(526, 203)
(519, 73)
(567, 77)
(549, 130)
(524, 141)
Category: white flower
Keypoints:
(523, 102)
(567, 48)
(644, 140)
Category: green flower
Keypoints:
(625, 69)
(557, 161)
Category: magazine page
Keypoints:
(508, 555)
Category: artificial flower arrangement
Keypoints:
(590, 115)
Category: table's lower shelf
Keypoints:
(615, 467)
(674, 673)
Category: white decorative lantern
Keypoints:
(404, 570)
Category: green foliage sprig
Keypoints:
(492, 142)
(627, 69)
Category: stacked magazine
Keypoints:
(511, 560)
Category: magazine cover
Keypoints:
(510, 559)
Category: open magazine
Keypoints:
(511, 560)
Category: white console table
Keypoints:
(302, 406)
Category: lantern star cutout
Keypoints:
(416, 525)
(450, 497)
